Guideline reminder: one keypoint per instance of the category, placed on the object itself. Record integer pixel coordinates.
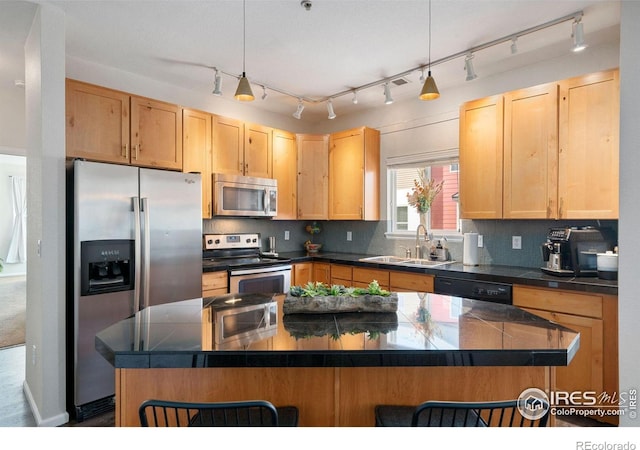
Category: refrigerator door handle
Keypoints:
(147, 253)
(137, 255)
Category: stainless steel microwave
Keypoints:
(237, 195)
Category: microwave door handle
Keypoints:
(136, 253)
(265, 201)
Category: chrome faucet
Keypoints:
(407, 251)
(426, 238)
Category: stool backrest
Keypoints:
(475, 414)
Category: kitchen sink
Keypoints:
(413, 262)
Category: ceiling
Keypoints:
(336, 46)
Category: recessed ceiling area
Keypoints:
(330, 47)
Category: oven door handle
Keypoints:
(256, 270)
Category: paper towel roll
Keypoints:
(470, 249)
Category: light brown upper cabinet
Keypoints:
(285, 172)
(481, 149)
(588, 176)
(551, 152)
(241, 148)
(112, 126)
(156, 134)
(531, 153)
(354, 174)
(97, 123)
(313, 177)
(196, 149)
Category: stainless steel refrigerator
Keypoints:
(134, 239)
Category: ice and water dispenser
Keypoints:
(106, 266)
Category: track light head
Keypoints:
(217, 84)
(298, 112)
(468, 66)
(332, 115)
(264, 93)
(578, 36)
(387, 94)
(354, 100)
(514, 45)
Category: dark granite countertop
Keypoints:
(500, 274)
(426, 330)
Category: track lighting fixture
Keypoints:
(217, 84)
(429, 88)
(244, 92)
(578, 36)
(468, 66)
(514, 45)
(298, 112)
(264, 93)
(332, 115)
(387, 94)
(354, 100)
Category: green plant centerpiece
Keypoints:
(319, 298)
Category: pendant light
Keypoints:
(429, 88)
(244, 92)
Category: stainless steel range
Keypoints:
(248, 269)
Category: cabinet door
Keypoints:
(530, 153)
(228, 142)
(97, 123)
(313, 177)
(410, 282)
(196, 149)
(322, 272)
(346, 175)
(156, 134)
(588, 173)
(257, 151)
(481, 145)
(285, 171)
(302, 274)
(585, 372)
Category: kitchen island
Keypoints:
(334, 367)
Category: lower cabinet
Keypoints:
(341, 275)
(301, 274)
(322, 272)
(410, 282)
(594, 368)
(362, 277)
(214, 283)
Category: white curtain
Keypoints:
(18, 246)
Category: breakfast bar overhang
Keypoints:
(334, 367)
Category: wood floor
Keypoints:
(15, 411)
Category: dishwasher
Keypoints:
(474, 289)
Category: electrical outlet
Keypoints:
(516, 242)
(349, 236)
(480, 241)
(286, 235)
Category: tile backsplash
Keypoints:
(369, 237)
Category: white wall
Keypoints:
(12, 124)
(629, 282)
(45, 105)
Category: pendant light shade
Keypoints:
(244, 92)
(429, 89)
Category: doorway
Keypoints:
(13, 272)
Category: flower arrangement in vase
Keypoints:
(422, 195)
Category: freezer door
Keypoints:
(171, 236)
(103, 196)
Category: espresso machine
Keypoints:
(572, 251)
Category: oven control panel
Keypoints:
(231, 241)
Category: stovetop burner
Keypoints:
(236, 250)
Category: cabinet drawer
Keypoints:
(341, 272)
(366, 276)
(214, 281)
(588, 305)
(410, 282)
